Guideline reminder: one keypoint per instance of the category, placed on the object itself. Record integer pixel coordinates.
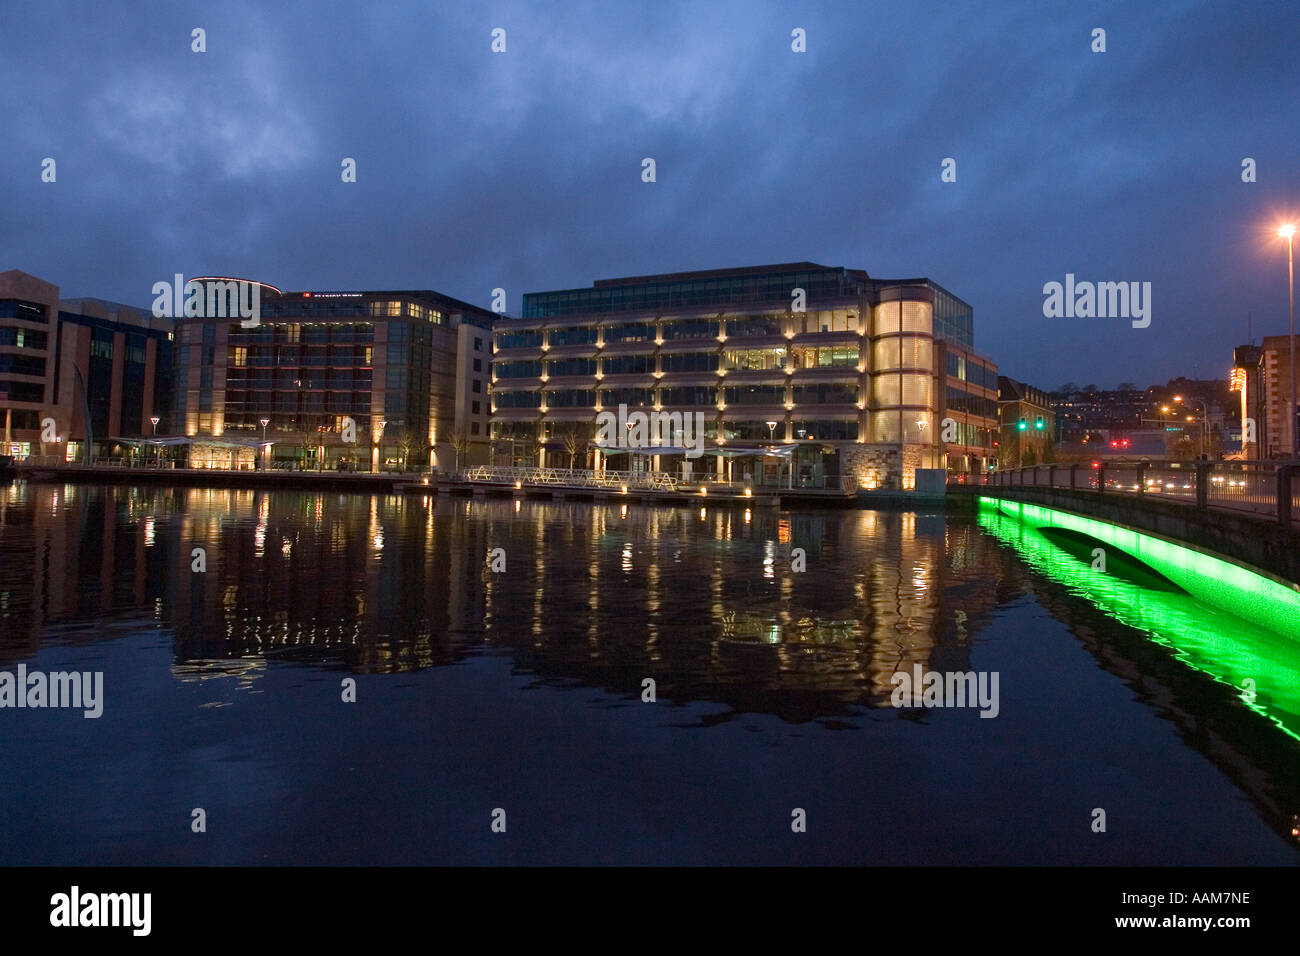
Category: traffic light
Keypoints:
(1022, 425)
(1039, 424)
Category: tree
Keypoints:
(1068, 388)
(459, 445)
(1183, 448)
(404, 443)
(1127, 387)
(575, 436)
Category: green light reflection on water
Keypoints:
(1206, 638)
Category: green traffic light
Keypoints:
(1039, 424)
(1022, 426)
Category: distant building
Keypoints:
(344, 380)
(862, 380)
(99, 370)
(1028, 424)
(1086, 412)
(1275, 378)
(1248, 378)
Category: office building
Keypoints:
(863, 380)
(99, 371)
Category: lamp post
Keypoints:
(266, 449)
(1287, 232)
(1205, 431)
(155, 419)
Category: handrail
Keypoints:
(1266, 488)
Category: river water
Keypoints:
(500, 655)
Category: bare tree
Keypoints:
(575, 436)
(459, 440)
(405, 442)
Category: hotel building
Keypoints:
(102, 371)
(867, 379)
(337, 380)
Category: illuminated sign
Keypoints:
(1238, 380)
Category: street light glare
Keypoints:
(1287, 231)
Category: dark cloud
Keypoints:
(522, 170)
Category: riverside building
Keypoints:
(336, 381)
(96, 371)
(806, 375)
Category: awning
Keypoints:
(196, 440)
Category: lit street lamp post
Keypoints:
(265, 448)
(1287, 232)
(1205, 424)
(155, 419)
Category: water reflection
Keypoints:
(705, 602)
(708, 603)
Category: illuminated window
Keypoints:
(241, 356)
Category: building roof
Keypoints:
(737, 272)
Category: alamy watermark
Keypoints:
(644, 431)
(210, 299)
(80, 689)
(1102, 300)
(75, 909)
(946, 689)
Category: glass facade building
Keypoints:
(824, 358)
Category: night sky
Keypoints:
(522, 169)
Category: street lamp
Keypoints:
(1205, 424)
(266, 449)
(155, 419)
(1287, 232)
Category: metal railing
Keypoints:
(577, 478)
(635, 480)
(1263, 488)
